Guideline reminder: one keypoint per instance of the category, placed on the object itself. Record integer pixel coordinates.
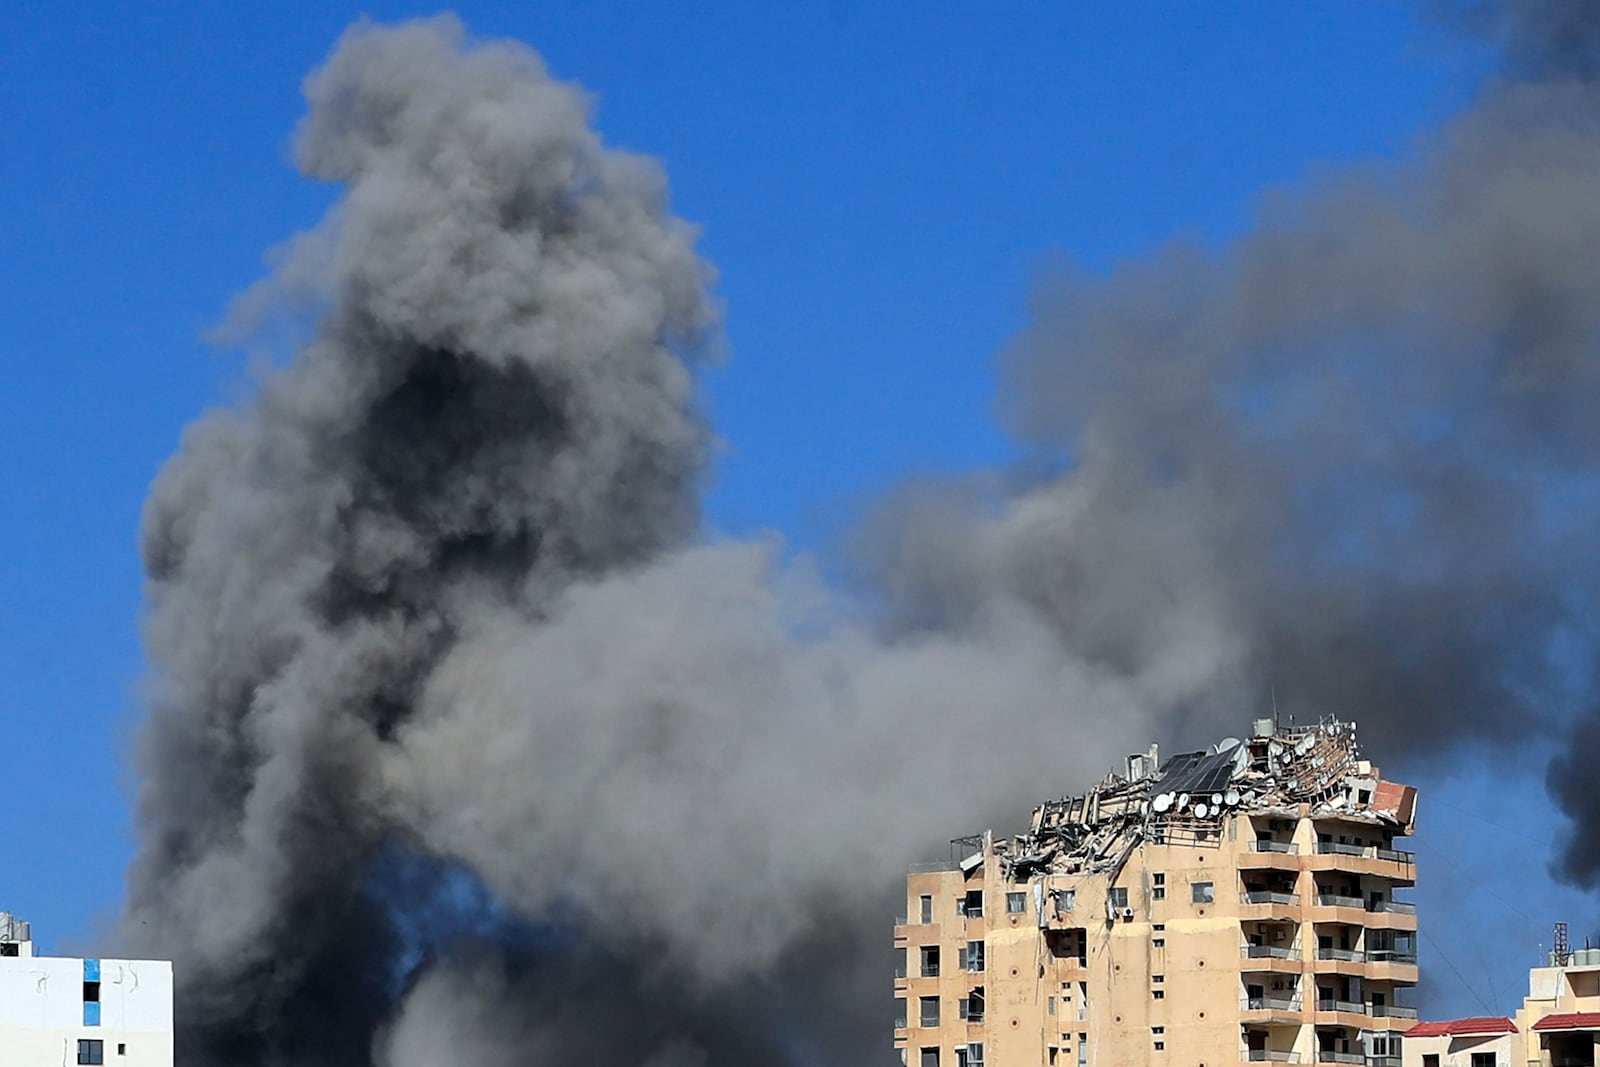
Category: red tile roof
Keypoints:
(1572, 1020)
(1483, 1024)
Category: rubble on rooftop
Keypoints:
(1277, 771)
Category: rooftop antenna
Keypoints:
(1561, 954)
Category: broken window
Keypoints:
(930, 961)
(1119, 897)
(929, 1015)
(974, 957)
(9, 948)
(1202, 892)
(971, 906)
(1016, 903)
(975, 1005)
(92, 1051)
(927, 910)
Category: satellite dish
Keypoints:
(1231, 797)
(1199, 811)
(1183, 801)
(1228, 742)
(1216, 800)
(1162, 802)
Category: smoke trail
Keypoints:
(467, 741)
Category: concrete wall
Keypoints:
(42, 1011)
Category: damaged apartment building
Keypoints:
(1231, 905)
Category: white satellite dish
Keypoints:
(1200, 811)
(1232, 798)
(1216, 800)
(1274, 747)
(1162, 802)
(1183, 801)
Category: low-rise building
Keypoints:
(65, 1010)
(1560, 1017)
(1485, 1041)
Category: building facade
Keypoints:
(62, 1010)
(1229, 906)
(1560, 1018)
(1484, 1041)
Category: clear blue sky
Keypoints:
(877, 182)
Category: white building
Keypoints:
(58, 1011)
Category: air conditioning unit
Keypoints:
(1127, 915)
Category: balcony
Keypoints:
(1286, 847)
(1289, 1004)
(1354, 1007)
(1343, 955)
(1268, 952)
(1364, 859)
(1339, 848)
(1397, 907)
(1271, 1055)
(1330, 1056)
(1334, 900)
(1383, 1061)
(1393, 1011)
(1272, 855)
(1259, 896)
(1390, 955)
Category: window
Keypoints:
(975, 1054)
(930, 1057)
(1430, 1059)
(1050, 1006)
(930, 1011)
(1158, 978)
(91, 992)
(1119, 897)
(1016, 903)
(930, 961)
(971, 905)
(974, 957)
(1158, 1030)
(975, 1005)
(1483, 1059)
(1066, 899)
(10, 948)
(1158, 926)
(1202, 893)
(1158, 882)
(1158, 942)
(927, 910)
(1083, 1050)
(91, 1051)
(1158, 994)
(899, 1016)
(1160, 1045)
(122, 1049)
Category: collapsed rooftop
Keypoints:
(1290, 771)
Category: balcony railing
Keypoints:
(1330, 1056)
(1394, 855)
(929, 868)
(1383, 1061)
(1262, 896)
(1371, 852)
(900, 971)
(1334, 900)
(1342, 1005)
(1272, 1055)
(1270, 1004)
(1259, 845)
(900, 920)
(1338, 848)
(1348, 955)
(1268, 952)
(1397, 907)
(1391, 955)
(1393, 1011)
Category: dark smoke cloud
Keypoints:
(468, 743)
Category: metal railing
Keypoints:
(1330, 1056)
(1397, 907)
(1271, 1055)
(1270, 1004)
(930, 970)
(1259, 845)
(1262, 896)
(930, 868)
(1391, 955)
(1339, 848)
(1334, 900)
(1394, 855)
(1268, 952)
(1393, 1011)
(1342, 1005)
(1348, 955)
(1383, 1061)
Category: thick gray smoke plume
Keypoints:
(468, 744)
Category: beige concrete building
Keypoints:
(1559, 1021)
(1227, 906)
(1485, 1041)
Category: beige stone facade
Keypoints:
(1559, 1022)
(1266, 929)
